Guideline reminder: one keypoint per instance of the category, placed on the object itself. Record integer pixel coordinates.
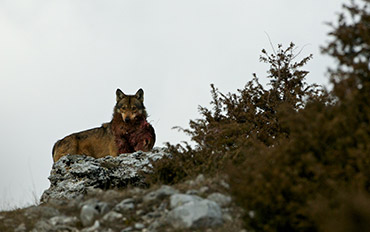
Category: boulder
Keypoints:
(189, 211)
(181, 199)
(73, 176)
(125, 205)
(221, 199)
(90, 211)
(162, 192)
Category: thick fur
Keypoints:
(127, 132)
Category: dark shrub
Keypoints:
(249, 118)
(297, 157)
(327, 153)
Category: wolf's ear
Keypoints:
(140, 95)
(119, 95)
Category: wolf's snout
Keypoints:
(127, 119)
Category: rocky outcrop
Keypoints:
(74, 175)
(106, 194)
(161, 209)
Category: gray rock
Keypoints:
(152, 215)
(127, 229)
(227, 217)
(200, 179)
(43, 226)
(93, 228)
(139, 212)
(163, 206)
(190, 182)
(125, 205)
(74, 176)
(89, 213)
(63, 220)
(196, 214)
(155, 224)
(106, 230)
(224, 184)
(203, 189)
(102, 207)
(192, 192)
(221, 199)
(181, 199)
(91, 210)
(160, 193)
(46, 226)
(139, 226)
(112, 217)
(21, 228)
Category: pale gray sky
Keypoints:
(62, 60)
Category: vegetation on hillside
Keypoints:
(297, 156)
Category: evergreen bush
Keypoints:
(297, 156)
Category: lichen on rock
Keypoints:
(73, 175)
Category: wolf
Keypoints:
(127, 132)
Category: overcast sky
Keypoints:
(61, 62)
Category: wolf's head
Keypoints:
(130, 107)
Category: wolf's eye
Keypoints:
(123, 107)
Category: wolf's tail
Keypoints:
(54, 148)
(52, 152)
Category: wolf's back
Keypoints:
(65, 146)
(96, 142)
